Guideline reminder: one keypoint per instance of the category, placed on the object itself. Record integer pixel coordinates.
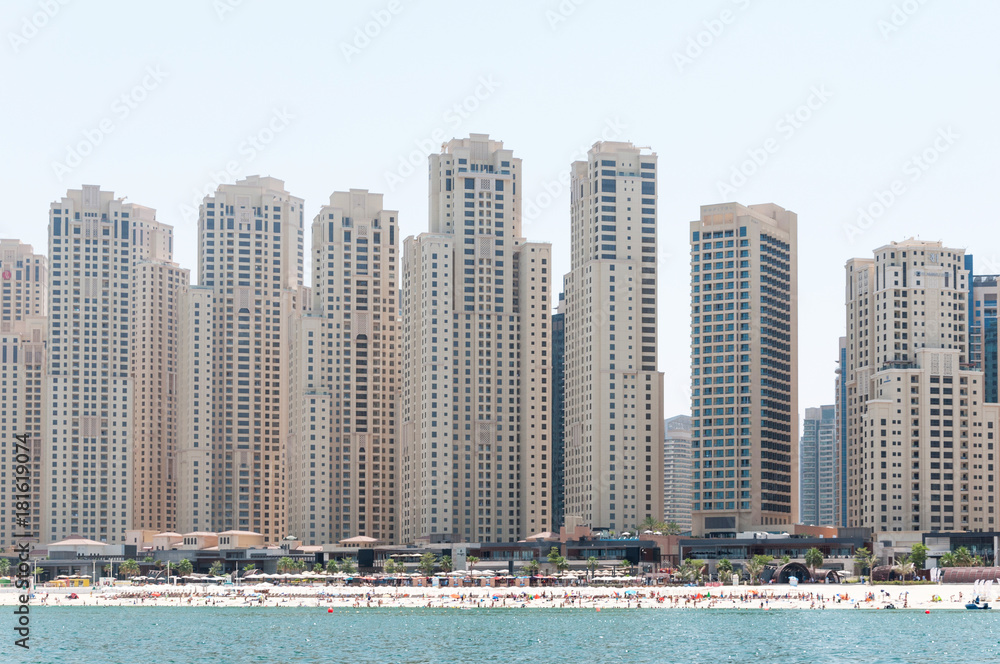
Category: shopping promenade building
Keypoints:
(342, 468)
(233, 375)
(920, 437)
(613, 436)
(744, 368)
(476, 315)
(23, 334)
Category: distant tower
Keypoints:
(817, 467)
(558, 414)
(677, 491)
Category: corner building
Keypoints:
(234, 352)
(744, 368)
(475, 413)
(342, 471)
(614, 393)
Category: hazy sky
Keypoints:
(820, 107)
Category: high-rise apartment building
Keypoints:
(984, 295)
(233, 375)
(475, 412)
(558, 414)
(840, 445)
(87, 450)
(920, 436)
(817, 467)
(744, 368)
(614, 393)
(155, 300)
(677, 484)
(342, 468)
(23, 328)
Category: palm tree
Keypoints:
(724, 569)
(649, 523)
(470, 562)
(445, 563)
(347, 566)
(670, 528)
(129, 568)
(184, 567)
(531, 567)
(4, 566)
(318, 568)
(814, 559)
(592, 564)
(903, 567)
(285, 564)
(216, 568)
(865, 559)
(692, 569)
(149, 559)
(625, 567)
(249, 569)
(947, 560)
(427, 563)
(755, 567)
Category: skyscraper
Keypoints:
(154, 297)
(475, 420)
(614, 392)
(983, 298)
(841, 442)
(342, 466)
(87, 452)
(233, 381)
(23, 333)
(920, 437)
(558, 414)
(677, 482)
(744, 368)
(817, 467)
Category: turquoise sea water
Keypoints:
(111, 635)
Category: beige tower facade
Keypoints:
(476, 386)
(87, 453)
(614, 393)
(155, 299)
(920, 439)
(23, 330)
(233, 379)
(744, 368)
(342, 468)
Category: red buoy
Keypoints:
(329, 610)
(927, 611)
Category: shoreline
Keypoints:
(770, 597)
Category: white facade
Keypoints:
(744, 368)
(23, 323)
(342, 466)
(87, 453)
(237, 324)
(677, 482)
(614, 393)
(920, 438)
(474, 416)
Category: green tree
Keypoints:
(724, 569)
(670, 528)
(947, 560)
(865, 559)
(903, 567)
(649, 523)
(249, 569)
(216, 568)
(592, 564)
(389, 567)
(331, 566)
(427, 563)
(470, 562)
(184, 567)
(318, 568)
(755, 567)
(531, 567)
(553, 555)
(691, 569)
(149, 559)
(285, 564)
(347, 566)
(4, 566)
(785, 559)
(625, 567)
(445, 563)
(129, 568)
(814, 559)
(918, 555)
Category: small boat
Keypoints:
(977, 605)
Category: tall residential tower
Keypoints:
(614, 392)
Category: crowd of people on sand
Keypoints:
(732, 597)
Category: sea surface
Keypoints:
(186, 635)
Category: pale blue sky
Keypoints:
(884, 85)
